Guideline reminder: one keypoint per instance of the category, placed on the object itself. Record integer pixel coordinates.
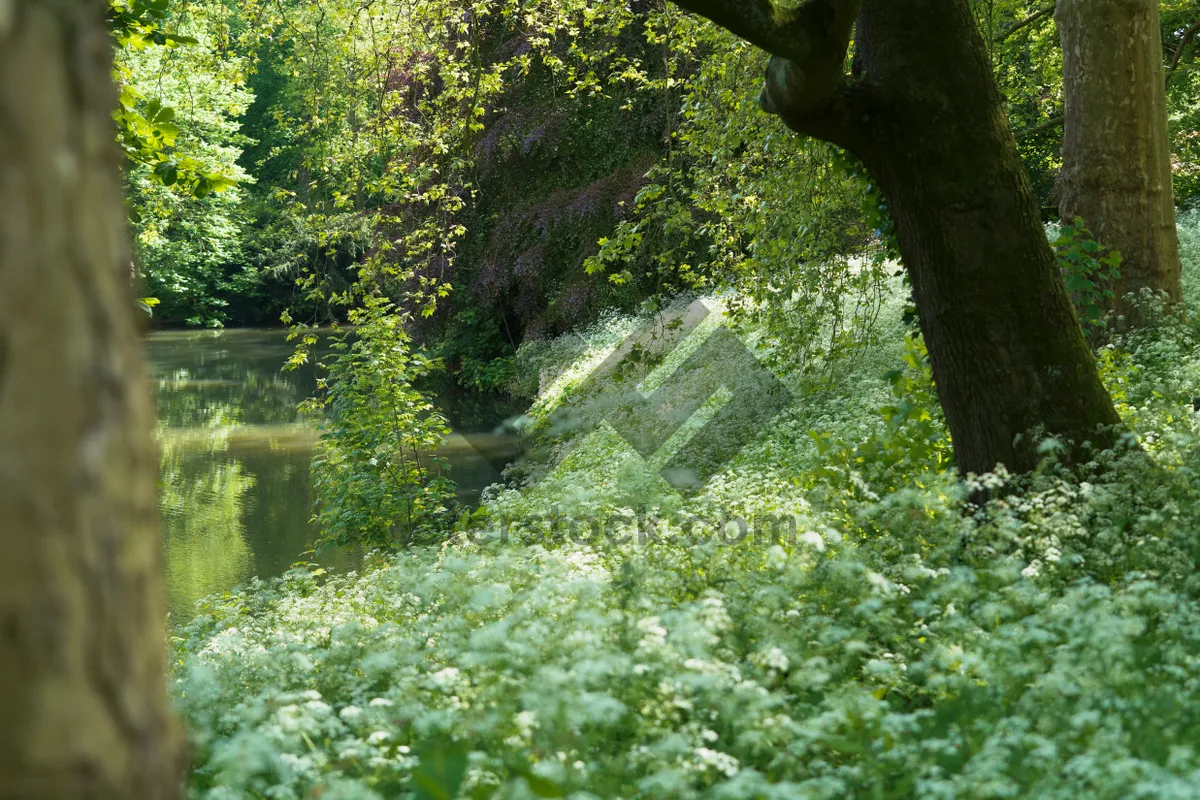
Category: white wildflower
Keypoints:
(526, 721)
(724, 763)
(445, 678)
(775, 659)
(814, 540)
(318, 708)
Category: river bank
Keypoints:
(234, 492)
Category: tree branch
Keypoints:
(759, 22)
(836, 120)
(808, 44)
(1025, 23)
(1053, 122)
(1184, 43)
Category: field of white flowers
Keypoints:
(826, 618)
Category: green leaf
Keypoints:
(167, 131)
(542, 787)
(128, 97)
(440, 772)
(219, 182)
(167, 172)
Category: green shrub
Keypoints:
(376, 476)
(1088, 269)
(1189, 255)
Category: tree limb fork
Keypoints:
(808, 44)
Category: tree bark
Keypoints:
(83, 699)
(1116, 171)
(923, 113)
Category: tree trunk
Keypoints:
(924, 115)
(83, 699)
(1009, 357)
(1116, 171)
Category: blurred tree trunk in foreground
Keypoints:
(83, 703)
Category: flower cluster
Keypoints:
(902, 644)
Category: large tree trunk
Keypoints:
(924, 114)
(83, 704)
(1116, 171)
(1008, 355)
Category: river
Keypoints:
(234, 490)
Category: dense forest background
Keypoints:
(509, 174)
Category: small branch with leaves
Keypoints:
(1032, 19)
(146, 128)
(1185, 43)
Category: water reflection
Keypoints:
(234, 488)
(201, 502)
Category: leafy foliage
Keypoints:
(182, 180)
(1089, 269)
(739, 204)
(555, 160)
(1189, 255)
(376, 477)
(913, 445)
(146, 127)
(864, 638)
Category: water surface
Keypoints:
(234, 493)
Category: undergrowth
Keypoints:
(828, 617)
